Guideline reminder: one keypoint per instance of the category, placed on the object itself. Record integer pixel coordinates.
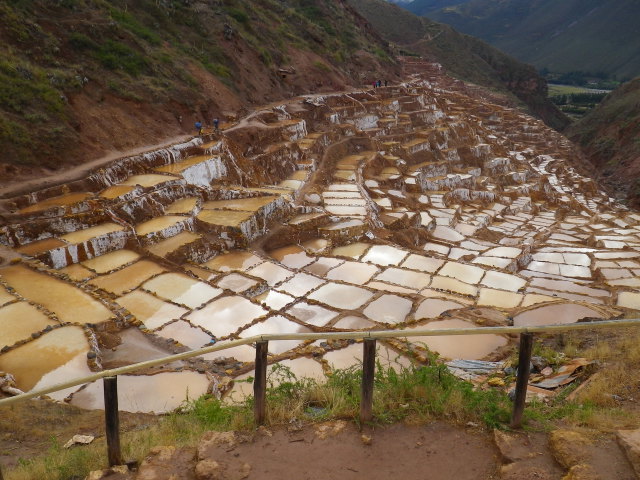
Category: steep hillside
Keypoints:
(463, 56)
(610, 135)
(80, 78)
(572, 35)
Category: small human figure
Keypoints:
(374, 84)
(386, 83)
(216, 123)
(379, 83)
(199, 127)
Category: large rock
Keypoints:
(569, 448)
(581, 471)
(168, 463)
(629, 440)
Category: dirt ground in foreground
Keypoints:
(435, 452)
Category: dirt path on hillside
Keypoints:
(48, 178)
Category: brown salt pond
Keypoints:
(111, 261)
(81, 236)
(171, 244)
(148, 180)
(237, 282)
(181, 289)
(158, 224)
(182, 206)
(160, 393)
(69, 303)
(353, 250)
(555, 313)
(245, 204)
(40, 246)
(470, 347)
(52, 358)
(150, 310)
(233, 261)
(128, 278)
(5, 297)
(61, 201)
(405, 278)
(19, 320)
(135, 347)
(292, 256)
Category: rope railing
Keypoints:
(369, 337)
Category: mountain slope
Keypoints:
(610, 136)
(81, 78)
(571, 35)
(463, 56)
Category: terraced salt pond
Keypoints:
(415, 206)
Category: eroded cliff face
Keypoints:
(609, 136)
(84, 79)
(416, 205)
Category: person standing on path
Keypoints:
(216, 123)
(199, 127)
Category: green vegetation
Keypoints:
(149, 51)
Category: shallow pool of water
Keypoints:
(69, 303)
(53, 353)
(183, 332)
(555, 313)
(61, 201)
(276, 325)
(233, 261)
(40, 246)
(301, 284)
(470, 347)
(353, 250)
(19, 320)
(181, 289)
(150, 310)
(81, 236)
(128, 278)
(292, 256)
(341, 296)
(312, 314)
(434, 307)
(405, 278)
(226, 315)
(110, 261)
(390, 309)
(160, 393)
(384, 255)
(148, 180)
(353, 272)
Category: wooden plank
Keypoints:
(112, 421)
(260, 383)
(524, 362)
(368, 372)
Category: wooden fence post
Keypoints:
(112, 420)
(368, 371)
(260, 382)
(524, 362)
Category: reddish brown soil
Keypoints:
(433, 452)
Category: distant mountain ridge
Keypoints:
(465, 57)
(563, 36)
(610, 136)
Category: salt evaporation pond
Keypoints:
(388, 216)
